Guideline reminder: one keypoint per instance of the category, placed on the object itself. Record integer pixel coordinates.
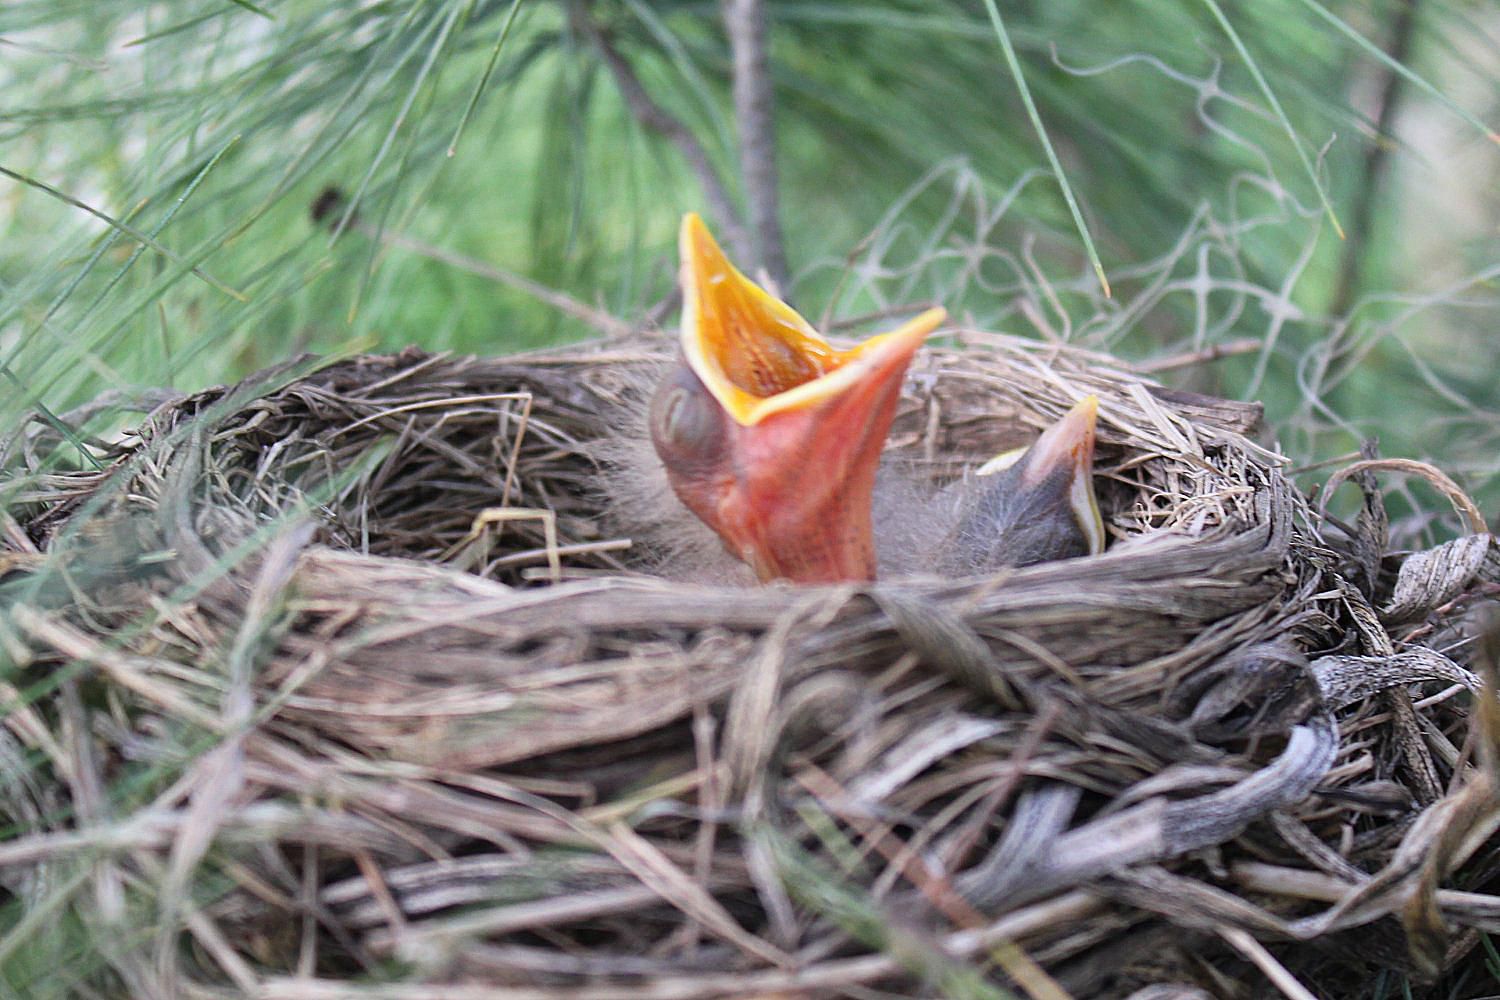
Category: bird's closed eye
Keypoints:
(671, 413)
(687, 422)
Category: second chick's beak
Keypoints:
(1034, 508)
(770, 434)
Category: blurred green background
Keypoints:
(909, 172)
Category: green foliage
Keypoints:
(1155, 114)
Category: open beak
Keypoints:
(784, 467)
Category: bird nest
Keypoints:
(393, 702)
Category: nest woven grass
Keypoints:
(437, 728)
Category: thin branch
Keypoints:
(745, 24)
(1228, 349)
(330, 203)
(600, 320)
(1284, 981)
(1436, 478)
(1377, 159)
(657, 119)
(1399, 66)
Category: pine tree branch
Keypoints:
(745, 24)
(657, 119)
(1377, 160)
(330, 205)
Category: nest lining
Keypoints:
(1225, 725)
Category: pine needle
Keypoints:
(1400, 69)
(253, 9)
(53, 420)
(125, 228)
(1041, 131)
(1270, 96)
(433, 52)
(484, 78)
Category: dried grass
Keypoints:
(1235, 750)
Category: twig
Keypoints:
(704, 731)
(130, 672)
(602, 321)
(307, 955)
(656, 118)
(935, 887)
(1376, 159)
(208, 934)
(654, 869)
(876, 315)
(838, 289)
(1348, 456)
(1302, 883)
(1228, 349)
(381, 892)
(1266, 963)
(1435, 476)
(835, 974)
(745, 24)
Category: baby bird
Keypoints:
(768, 433)
(1033, 507)
(772, 437)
